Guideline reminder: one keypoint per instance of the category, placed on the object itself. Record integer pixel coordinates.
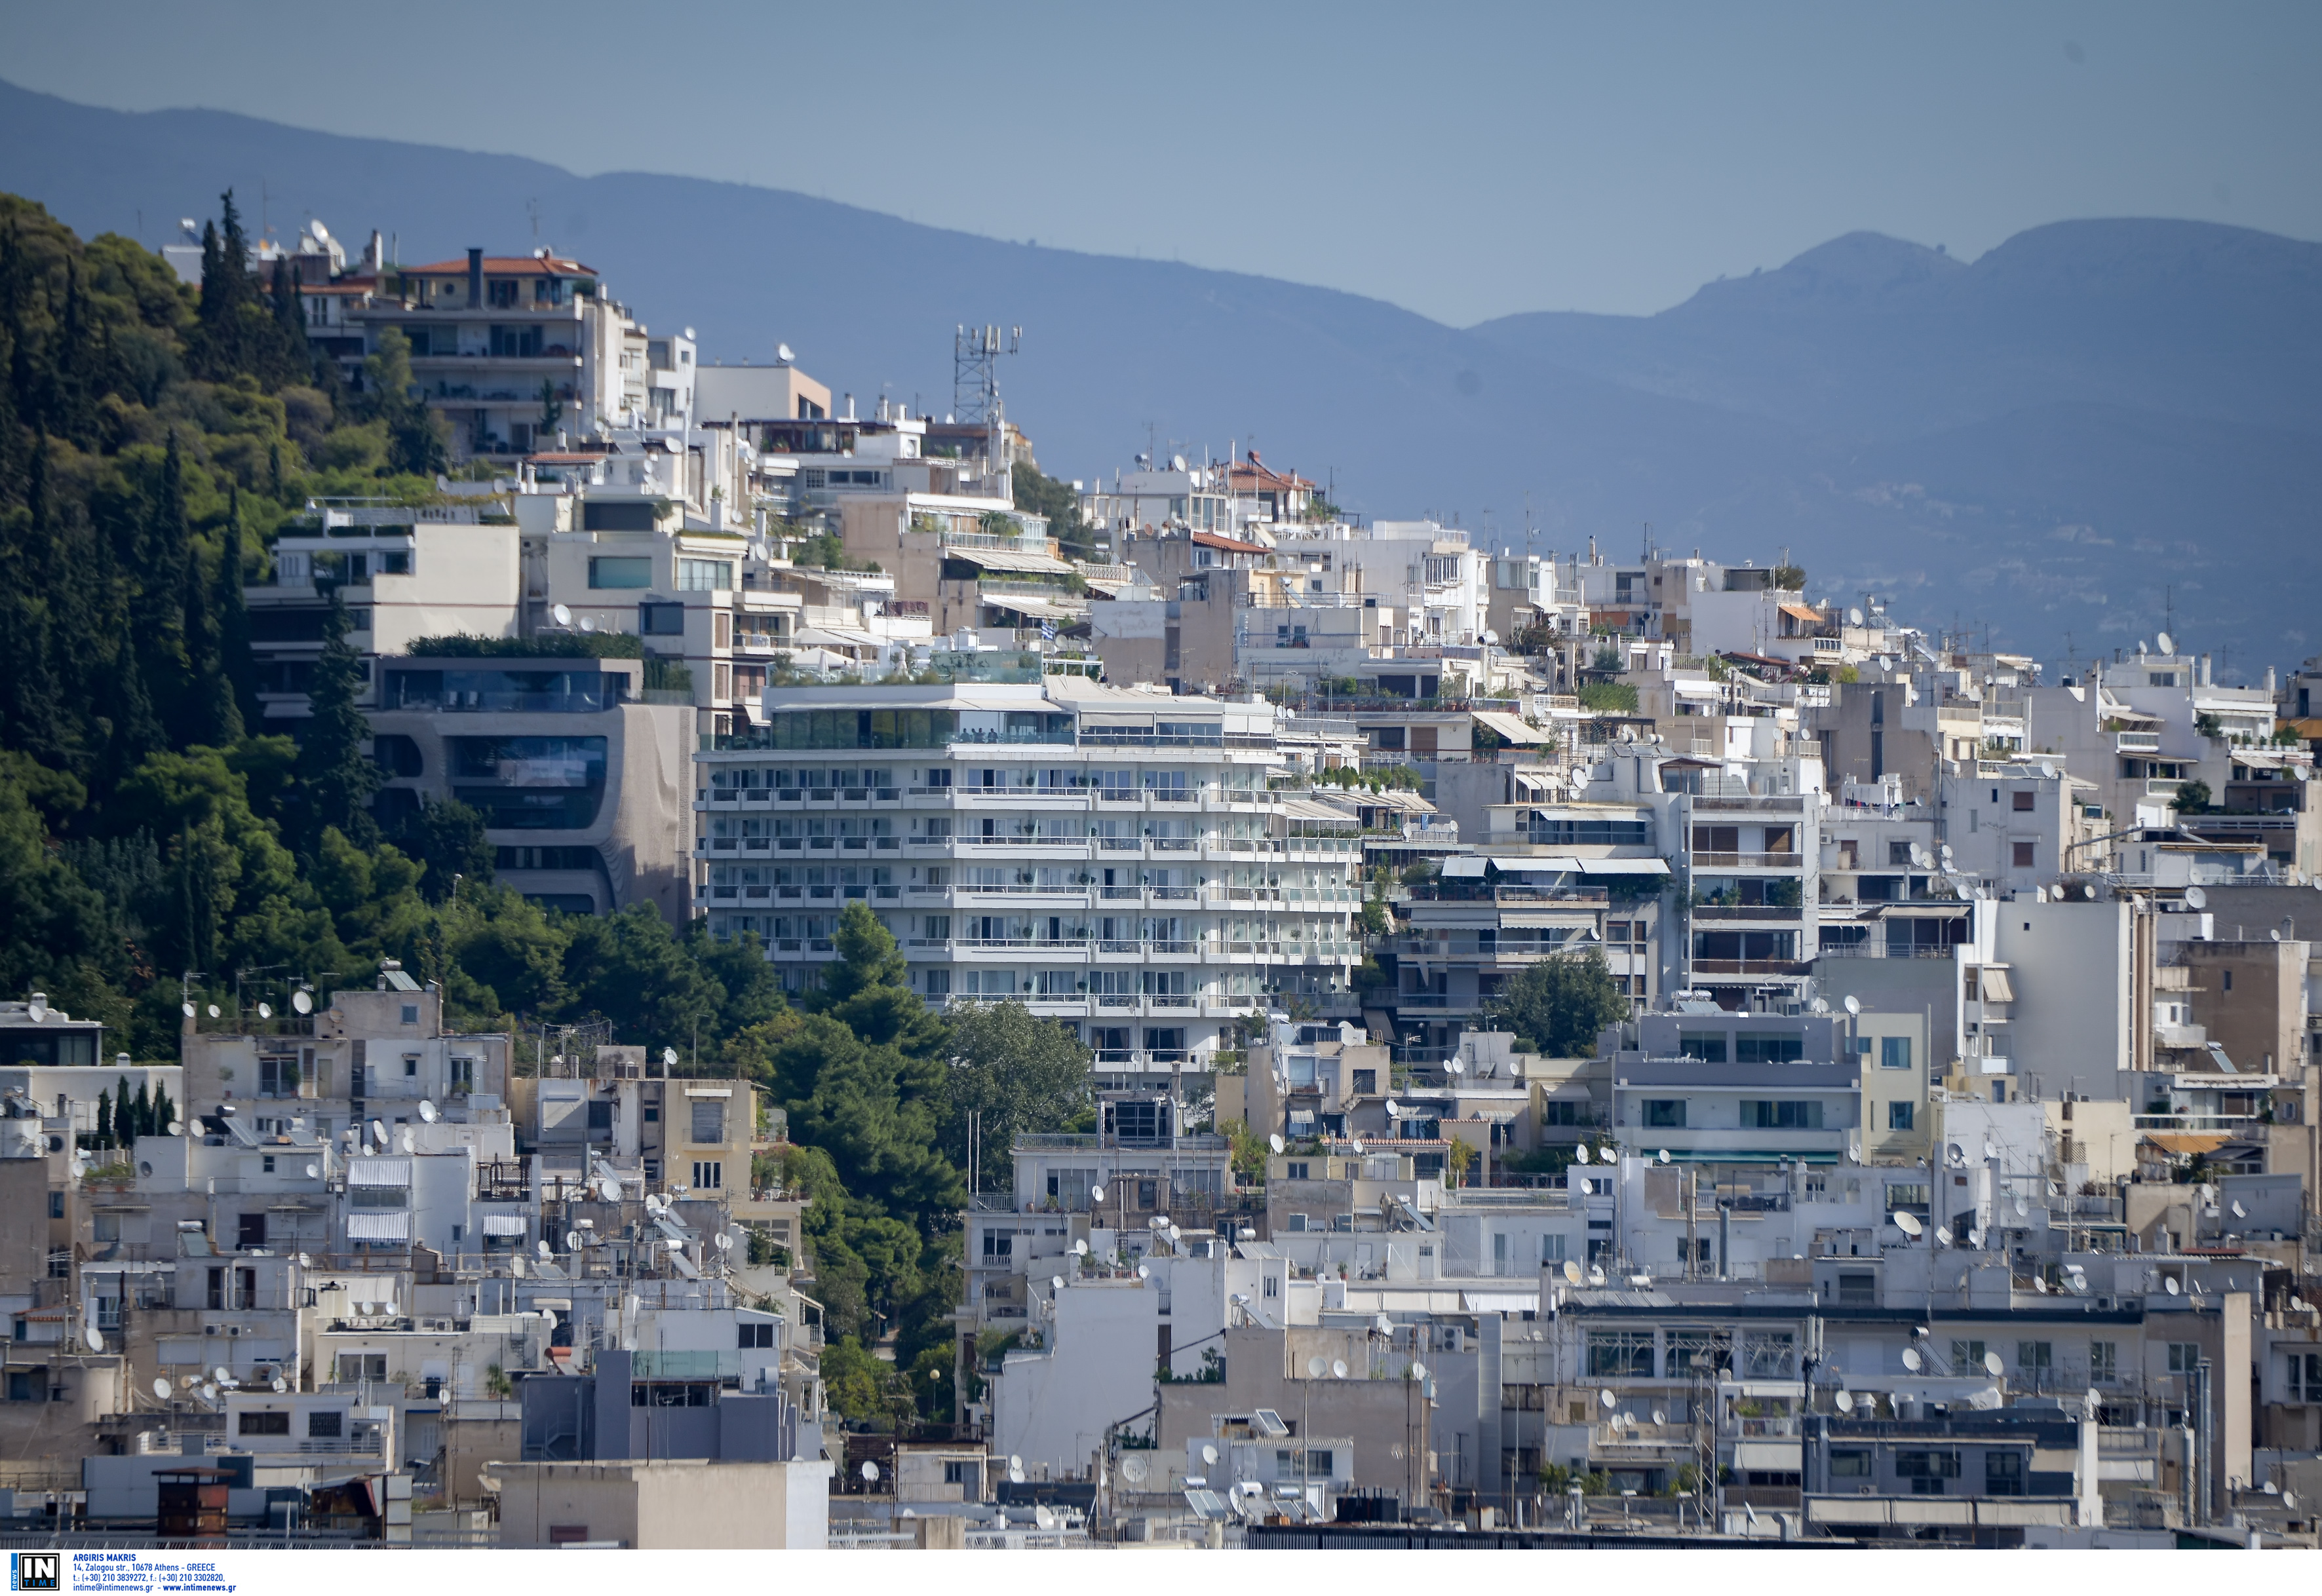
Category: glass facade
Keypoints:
(530, 783)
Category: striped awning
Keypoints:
(390, 1225)
(503, 1224)
(378, 1171)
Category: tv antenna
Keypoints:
(975, 353)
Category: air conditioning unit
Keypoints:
(209, 1330)
(234, 1329)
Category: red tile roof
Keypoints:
(504, 266)
(1211, 540)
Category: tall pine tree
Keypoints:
(336, 777)
(157, 609)
(232, 614)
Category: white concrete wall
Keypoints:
(1052, 1406)
(2070, 971)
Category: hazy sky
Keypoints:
(1463, 160)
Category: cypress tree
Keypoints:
(232, 612)
(336, 776)
(141, 1115)
(124, 1120)
(101, 1136)
(157, 610)
(164, 1110)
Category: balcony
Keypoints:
(1749, 911)
(1749, 861)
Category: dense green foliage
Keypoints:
(1557, 1006)
(1040, 493)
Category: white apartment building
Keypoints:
(1113, 857)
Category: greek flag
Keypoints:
(1048, 631)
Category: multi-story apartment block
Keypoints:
(1115, 858)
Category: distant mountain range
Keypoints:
(2096, 423)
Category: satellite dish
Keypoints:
(2195, 900)
(188, 1009)
(313, 1172)
(304, 1262)
(209, 1393)
(563, 614)
(426, 1111)
(1080, 1249)
(1456, 1067)
(266, 1011)
(573, 1240)
(1943, 1235)
(1275, 1142)
(2240, 1212)
(280, 1385)
(1908, 1223)
(782, 353)
(1580, 1154)
(515, 1265)
(161, 1391)
(222, 1375)
(94, 1337)
(2022, 1208)
(1604, 1400)
(1356, 1146)
(1317, 1366)
(1209, 1457)
(1595, 1275)
(2040, 1284)
(608, 1189)
(1337, 1368)
(1975, 1239)
(1385, 1326)
(1144, 1273)
(1659, 1417)
(1571, 1273)
(214, 1011)
(1992, 1365)
(1854, 1005)
(2167, 643)
(1853, 615)
(407, 1141)
(1911, 1359)
(1844, 1401)
(2170, 1285)
(1096, 1194)
(1133, 1470)
(177, 1127)
(1055, 1282)
(379, 1132)
(1854, 1152)
(588, 622)
(542, 1247)
(870, 1472)
(2048, 770)
(1394, 1110)
(302, 1002)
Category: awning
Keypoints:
(503, 1224)
(1499, 1301)
(1624, 867)
(1776, 1456)
(1510, 864)
(1001, 559)
(394, 1226)
(1697, 689)
(1993, 982)
(1801, 612)
(2186, 1143)
(1458, 868)
(378, 1171)
(1510, 728)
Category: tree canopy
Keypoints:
(1557, 1005)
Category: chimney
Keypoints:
(375, 254)
(475, 278)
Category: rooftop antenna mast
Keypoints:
(975, 354)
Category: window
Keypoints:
(250, 1232)
(362, 1366)
(2024, 802)
(1926, 1471)
(1900, 1115)
(1566, 1112)
(2035, 1357)
(1709, 1050)
(708, 1120)
(620, 570)
(750, 1335)
(1894, 1052)
(1858, 1288)
(325, 1427)
(1851, 1464)
(2104, 1362)
(2022, 854)
(265, 1423)
(2184, 1356)
(56, 1205)
(962, 1473)
(702, 576)
(1967, 1357)
(1781, 1116)
(999, 1245)
(661, 620)
(1366, 1083)
(708, 1175)
(2003, 1472)
(2305, 1377)
(1765, 1049)
(1665, 1113)
(27, 1385)
(1621, 1354)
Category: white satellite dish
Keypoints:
(1055, 1282)
(1418, 1369)
(515, 1265)
(1337, 1368)
(214, 1011)
(2170, 1285)
(1908, 1223)
(870, 1472)
(1394, 1110)
(2040, 1284)
(1943, 1235)
(1853, 615)
(782, 353)
(1975, 1239)
(2167, 644)
(2195, 900)
(563, 614)
(222, 1375)
(161, 1391)
(302, 1002)
(588, 622)
(608, 1189)
(1133, 1470)
(209, 1393)
(1275, 1142)
(572, 1240)
(265, 1011)
(313, 1172)
(379, 1132)
(1844, 1401)
(304, 1262)
(2022, 1208)
(1580, 1154)
(1144, 1273)
(668, 1057)
(1385, 1325)
(1853, 1004)
(1605, 1400)
(1659, 1417)
(1317, 1366)
(1663, 1155)
(542, 1247)
(188, 1009)
(1571, 1273)
(1096, 1194)
(1458, 1068)
(1992, 1365)
(1911, 1359)
(1080, 1249)
(407, 1141)
(1854, 1152)
(2240, 1212)
(426, 1111)
(1209, 1457)
(94, 1337)
(280, 1385)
